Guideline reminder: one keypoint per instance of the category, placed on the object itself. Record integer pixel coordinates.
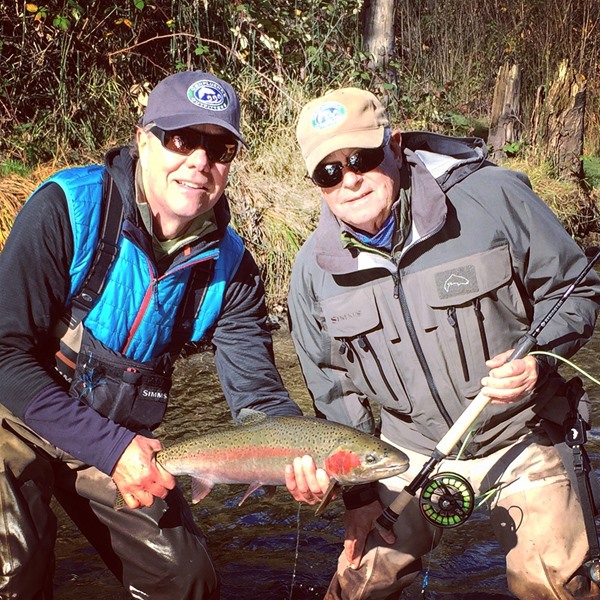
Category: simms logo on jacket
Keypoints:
(456, 282)
(345, 317)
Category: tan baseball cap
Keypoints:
(344, 118)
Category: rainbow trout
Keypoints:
(256, 452)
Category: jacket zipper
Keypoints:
(365, 346)
(347, 349)
(153, 288)
(459, 341)
(412, 334)
(479, 315)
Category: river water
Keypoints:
(275, 549)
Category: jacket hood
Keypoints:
(448, 159)
(120, 165)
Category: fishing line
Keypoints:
(568, 362)
(297, 551)
(426, 574)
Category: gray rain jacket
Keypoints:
(485, 262)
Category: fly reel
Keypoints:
(447, 500)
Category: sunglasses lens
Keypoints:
(180, 141)
(221, 150)
(365, 160)
(218, 148)
(328, 174)
(362, 161)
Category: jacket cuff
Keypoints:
(360, 495)
(546, 366)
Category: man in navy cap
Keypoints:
(112, 270)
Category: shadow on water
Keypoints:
(274, 549)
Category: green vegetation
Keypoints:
(591, 167)
(74, 77)
(14, 167)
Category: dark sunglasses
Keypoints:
(362, 161)
(218, 148)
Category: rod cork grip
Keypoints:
(462, 424)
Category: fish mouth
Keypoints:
(383, 472)
(396, 469)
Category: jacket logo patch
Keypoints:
(456, 282)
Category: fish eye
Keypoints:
(370, 459)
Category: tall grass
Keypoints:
(274, 207)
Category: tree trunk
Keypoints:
(378, 34)
(560, 126)
(505, 123)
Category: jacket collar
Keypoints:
(435, 163)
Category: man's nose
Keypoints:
(198, 159)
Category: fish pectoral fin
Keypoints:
(200, 488)
(252, 488)
(334, 486)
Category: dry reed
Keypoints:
(274, 207)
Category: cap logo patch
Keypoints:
(328, 115)
(208, 94)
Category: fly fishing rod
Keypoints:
(447, 498)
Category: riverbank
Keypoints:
(274, 207)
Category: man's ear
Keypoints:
(396, 141)
(141, 137)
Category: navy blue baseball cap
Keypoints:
(193, 98)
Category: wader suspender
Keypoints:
(104, 256)
(575, 436)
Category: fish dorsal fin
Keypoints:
(334, 486)
(249, 416)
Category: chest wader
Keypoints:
(129, 392)
(569, 440)
(588, 487)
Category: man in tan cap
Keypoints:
(427, 267)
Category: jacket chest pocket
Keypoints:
(364, 348)
(472, 311)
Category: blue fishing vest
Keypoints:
(136, 310)
(117, 355)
